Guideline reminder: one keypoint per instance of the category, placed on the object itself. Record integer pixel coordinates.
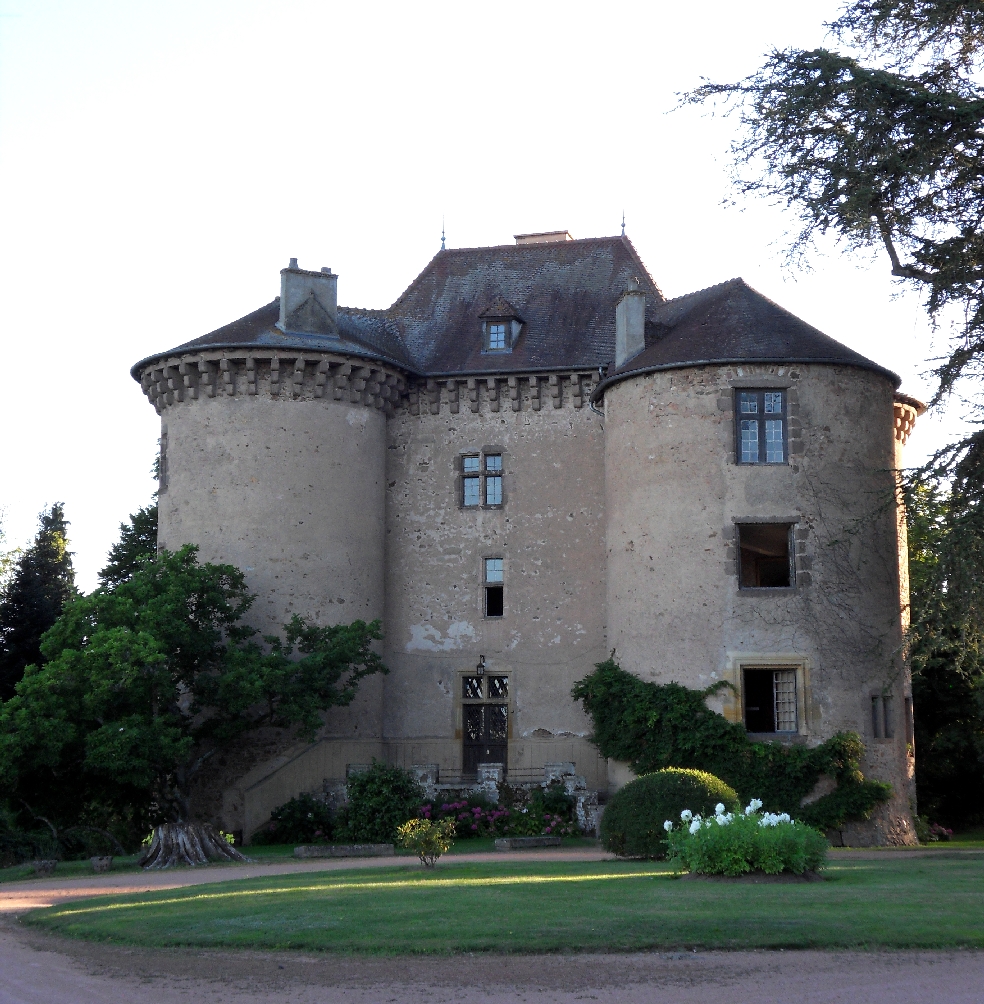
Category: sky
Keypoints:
(160, 162)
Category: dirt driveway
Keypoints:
(37, 968)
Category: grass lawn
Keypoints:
(548, 907)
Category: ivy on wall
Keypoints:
(653, 726)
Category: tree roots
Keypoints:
(187, 844)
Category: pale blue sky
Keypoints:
(161, 161)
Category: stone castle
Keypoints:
(533, 458)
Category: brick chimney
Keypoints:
(308, 300)
(630, 323)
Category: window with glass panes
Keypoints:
(494, 587)
(481, 480)
(760, 418)
(497, 337)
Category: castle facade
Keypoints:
(533, 458)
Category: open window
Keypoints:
(494, 587)
(769, 700)
(764, 555)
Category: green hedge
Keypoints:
(632, 823)
(380, 800)
(653, 726)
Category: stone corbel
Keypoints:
(575, 379)
(555, 390)
(473, 394)
(275, 376)
(492, 393)
(188, 377)
(514, 393)
(535, 393)
(228, 377)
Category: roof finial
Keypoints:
(623, 222)
(442, 234)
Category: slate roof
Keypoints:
(732, 323)
(564, 291)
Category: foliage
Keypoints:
(887, 154)
(145, 681)
(946, 553)
(931, 833)
(7, 558)
(137, 543)
(380, 799)
(303, 820)
(733, 844)
(653, 726)
(632, 824)
(546, 810)
(41, 583)
(427, 838)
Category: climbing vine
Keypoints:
(668, 725)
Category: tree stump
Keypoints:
(187, 844)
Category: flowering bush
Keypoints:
(426, 838)
(930, 833)
(542, 812)
(303, 820)
(730, 843)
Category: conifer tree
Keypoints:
(138, 541)
(42, 581)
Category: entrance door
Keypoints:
(485, 718)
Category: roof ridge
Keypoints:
(707, 289)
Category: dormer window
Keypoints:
(501, 325)
(497, 337)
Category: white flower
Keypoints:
(753, 806)
(719, 809)
(784, 818)
(686, 815)
(668, 825)
(723, 820)
(695, 825)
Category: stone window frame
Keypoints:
(793, 431)
(733, 705)
(483, 474)
(512, 327)
(799, 562)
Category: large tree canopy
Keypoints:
(41, 581)
(889, 154)
(144, 682)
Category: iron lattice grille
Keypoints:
(784, 688)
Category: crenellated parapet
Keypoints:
(501, 392)
(284, 375)
(905, 410)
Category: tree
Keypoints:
(947, 633)
(888, 155)
(41, 583)
(145, 681)
(138, 542)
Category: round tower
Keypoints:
(273, 459)
(753, 532)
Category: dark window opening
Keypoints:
(760, 420)
(882, 718)
(769, 699)
(494, 605)
(763, 556)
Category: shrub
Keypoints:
(548, 810)
(632, 824)
(729, 843)
(427, 838)
(930, 833)
(380, 800)
(303, 820)
(653, 726)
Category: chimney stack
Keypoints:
(630, 323)
(308, 300)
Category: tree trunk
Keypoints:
(187, 844)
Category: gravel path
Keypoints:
(38, 968)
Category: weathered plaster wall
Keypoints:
(674, 494)
(292, 492)
(550, 533)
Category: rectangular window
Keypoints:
(482, 480)
(760, 416)
(497, 337)
(764, 555)
(494, 588)
(769, 699)
(882, 717)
